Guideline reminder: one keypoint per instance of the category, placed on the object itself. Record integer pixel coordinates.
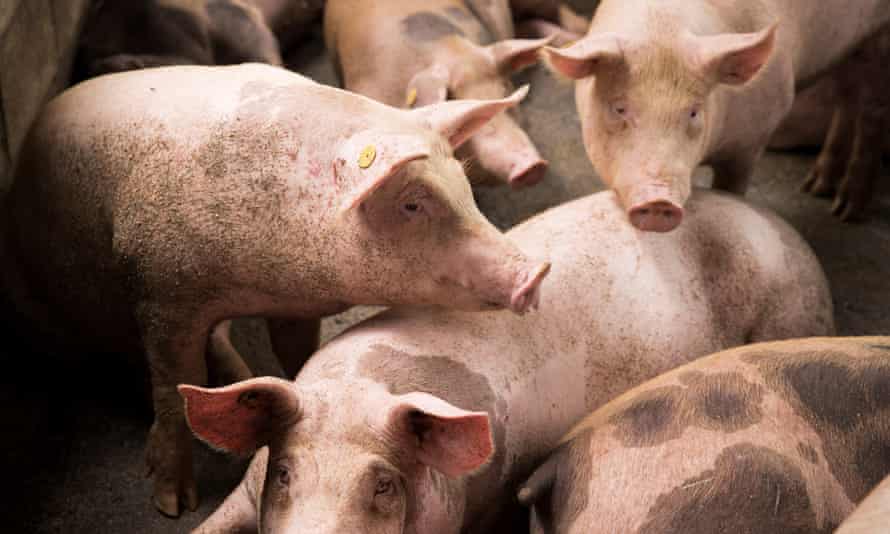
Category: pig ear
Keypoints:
(539, 484)
(447, 438)
(458, 120)
(371, 158)
(242, 417)
(732, 58)
(585, 56)
(516, 54)
(427, 87)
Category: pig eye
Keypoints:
(384, 487)
(282, 474)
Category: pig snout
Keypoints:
(527, 173)
(654, 208)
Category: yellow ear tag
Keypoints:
(568, 44)
(366, 158)
(411, 97)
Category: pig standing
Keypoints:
(773, 438)
(412, 54)
(665, 86)
(872, 516)
(425, 421)
(149, 206)
(122, 35)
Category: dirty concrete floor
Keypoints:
(75, 428)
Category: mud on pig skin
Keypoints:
(415, 54)
(450, 411)
(666, 86)
(148, 206)
(122, 35)
(872, 516)
(773, 438)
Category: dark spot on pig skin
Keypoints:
(750, 489)
(845, 400)
(448, 379)
(807, 452)
(723, 401)
(426, 26)
(651, 419)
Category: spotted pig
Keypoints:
(773, 438)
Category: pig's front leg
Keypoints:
(734, 174)
(176, 355)
(293, 341)
(238, 513)
(864, 166)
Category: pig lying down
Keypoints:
(425, 421)
(122, 35)
(414, 54)
(151, 205)
(873, 515)
(773, 438)
(668, 85)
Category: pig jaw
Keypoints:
(488, 272)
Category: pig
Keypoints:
(665, 86)
(122, 35)
(850, 161)
(775, 438)
(425, 421)
(413, 55)
(150, 205)
(872, 516)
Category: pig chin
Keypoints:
(521, 293)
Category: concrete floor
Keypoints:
(75, 430)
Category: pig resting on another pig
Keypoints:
(149, 206)
(773, 438)
(872, 516)
(424, 421)
(417, 54)
(664, 86)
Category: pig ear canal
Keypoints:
(427, 87)
(513, 55)
(733, 58)
(242, 417)
(458, 120)
(585, 56)
(373, 158)
(446, 438)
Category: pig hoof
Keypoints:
(817, 184)
(167, 504)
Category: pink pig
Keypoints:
(151, 205)
(665, 86)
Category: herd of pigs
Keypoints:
(152, 207)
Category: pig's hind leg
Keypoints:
(225, 365)
(831, 164)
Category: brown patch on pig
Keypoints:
(721, 402)
(807, 452)
(446, 378)
(846, 401)
(750, 489)
(426, 26)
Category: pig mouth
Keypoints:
(528, 295)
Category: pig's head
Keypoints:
(417, 235)
(647, 109)
(501, 150)
(380, 467)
